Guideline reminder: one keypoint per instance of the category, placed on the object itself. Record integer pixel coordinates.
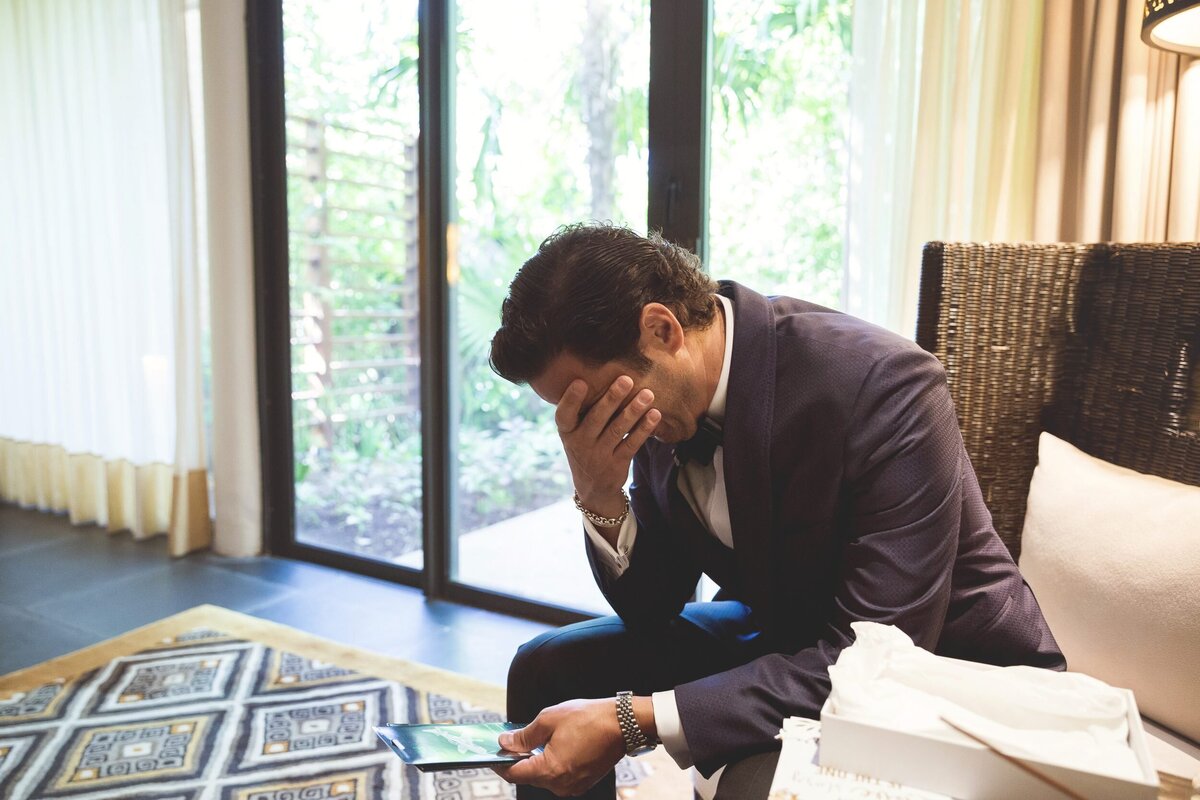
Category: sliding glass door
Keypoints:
(352, 210)
(410, 156)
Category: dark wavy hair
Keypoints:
(583, 292)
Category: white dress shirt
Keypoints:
(703, 486)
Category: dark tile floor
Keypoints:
(64, 587)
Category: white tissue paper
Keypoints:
(1065, 718)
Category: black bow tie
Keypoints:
(700, 448)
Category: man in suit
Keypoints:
(808, 462)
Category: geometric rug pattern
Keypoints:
(206, 714)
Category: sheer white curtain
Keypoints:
(1043, 120)
(943, 108)
(101, 409)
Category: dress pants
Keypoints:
(601, 657)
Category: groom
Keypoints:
(809, 463)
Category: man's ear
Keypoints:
(660, 330)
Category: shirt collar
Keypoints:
(716, 409)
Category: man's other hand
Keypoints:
(581, 740)
(601, 442)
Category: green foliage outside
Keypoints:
(551, 128)
(777, 139)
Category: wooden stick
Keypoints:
(1016, 762)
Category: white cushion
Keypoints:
(1113, 557)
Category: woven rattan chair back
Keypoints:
(1098, 344)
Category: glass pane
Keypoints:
(550, 128)
(778, 145)
(777, 152)
(351, 98)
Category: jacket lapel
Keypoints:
(749, 414)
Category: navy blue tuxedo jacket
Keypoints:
(851, 497)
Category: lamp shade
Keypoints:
(1172, 25)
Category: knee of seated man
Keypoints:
(539, 675)
(563, 664)
(535, 673)
(542, 658)
(530, 659)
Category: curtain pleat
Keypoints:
(237, 464)
(886, 79)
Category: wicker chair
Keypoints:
(1098, 344)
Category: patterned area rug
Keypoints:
(214, 705)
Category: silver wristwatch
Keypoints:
(636, 743)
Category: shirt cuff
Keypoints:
(615, 560)
(670, 728)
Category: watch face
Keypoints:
(641, 751)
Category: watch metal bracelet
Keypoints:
(636, 742)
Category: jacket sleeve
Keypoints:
(903, 486)
(661, 576)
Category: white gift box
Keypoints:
(969, 770)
